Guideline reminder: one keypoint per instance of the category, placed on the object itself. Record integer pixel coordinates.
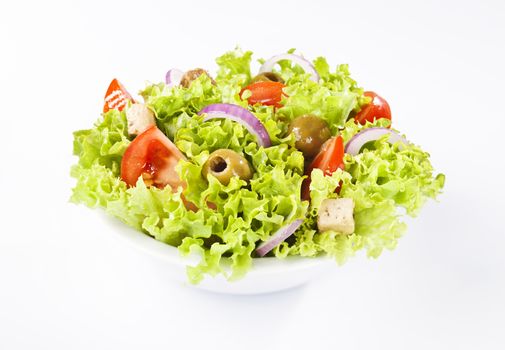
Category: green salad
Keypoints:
(296, 160)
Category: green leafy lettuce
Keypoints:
(105, 143)
(234, 64)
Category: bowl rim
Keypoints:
(170, 254)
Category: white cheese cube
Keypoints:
(139, 118)
(336, 215)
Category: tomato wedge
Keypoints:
(329, 159)
(267, 93)
(116, 97)
(376, 109)
(154, 157)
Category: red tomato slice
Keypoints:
(376, 109)
(329, 159)
(154, 157)
(267, 93)
(116, 97)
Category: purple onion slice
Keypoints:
(353, 147)
(240, 115)
(278, 237)
(307, 66)
(173, 77)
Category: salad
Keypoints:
(296, 160)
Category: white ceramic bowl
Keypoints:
(266, 275)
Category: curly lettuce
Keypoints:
(234, 64)
(105, 143)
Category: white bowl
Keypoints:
(266, 275)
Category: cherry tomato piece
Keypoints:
(267, 93)
(329, 159)
(116, 97)
(376, 109)
(154, 157)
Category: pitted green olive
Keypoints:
(267, 76)
(225, 164)
(310, 134)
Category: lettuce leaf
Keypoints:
(234, 64)
(105, 143)
(96, 186)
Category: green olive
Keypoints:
(310, 134)
(225, 164)
(193, 74)
(267, 76)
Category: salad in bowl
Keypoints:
(292, 160)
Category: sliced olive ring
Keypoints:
(224, 164)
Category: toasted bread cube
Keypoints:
(336, 215)
(139, 118)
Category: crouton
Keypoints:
(139, 118)
(336, 215)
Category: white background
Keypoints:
(66, 283)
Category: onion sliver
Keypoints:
(307, 66)
(240, 115)
(278, 237)
(372, 134)
(173, 77)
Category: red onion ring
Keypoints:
(240, 115)
(278, 237)
(173, 77)
(302, 62)
(372, 134)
